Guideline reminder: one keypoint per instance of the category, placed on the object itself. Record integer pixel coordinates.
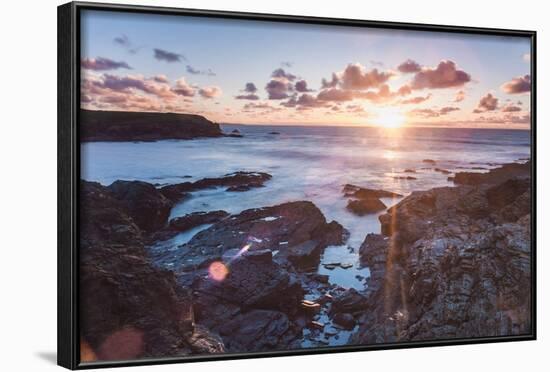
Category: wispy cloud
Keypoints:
(170, 57)
(103, 64)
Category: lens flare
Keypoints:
(217, 271)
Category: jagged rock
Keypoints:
(497, 175)
(259, 330)
(129, 308)
(195, 219)
(345, 320)
(237, 181)
(365, 193)
(348, 302)
(282, 228)
(145, 204)
(453, 262)
(361, 207)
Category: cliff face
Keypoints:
(452, 263)
(143, 126)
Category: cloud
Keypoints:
(193, 71)
(416, 100)
(376, 63)
(301, 86)
(122, 40)
(518, 85)
(286, 64)
(282, 74)
(487, 103)
(278, 89)
(160, 79)
(250, 97)
(250, 90)
(210, 92)
(163, 55)
(182, 88)
(460, 96)
(433, 112)
(448, 109)
(445, 75)
(409, 66)
(336, 95)
(511, 108)
(405, 90)
(102, 64)
(527, 57)
(326, 84)
(356, 77)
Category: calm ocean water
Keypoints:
(307, 163)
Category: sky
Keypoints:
(256, 72)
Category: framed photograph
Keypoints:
(237, 185)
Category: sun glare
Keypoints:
(389, 117)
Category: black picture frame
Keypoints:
(68, 91)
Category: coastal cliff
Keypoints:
(143, 126)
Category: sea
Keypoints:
(308, 163)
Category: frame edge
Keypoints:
(66, 315)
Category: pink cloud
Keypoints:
(518, 85)
(445, 75)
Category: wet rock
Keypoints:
(274, 133)
(429, 161)
(497, 175)
(365, 193)
(297, 232)
(454, 262)
(442, 171)
(362, 207)
(144, 203)
(127, 303)
(237, 181)
(235, 133)
(345, 320)
(348, 302)
(195, 219)
(258, 330)
(409, 171)
(409, 178)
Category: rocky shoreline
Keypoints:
(450, 262)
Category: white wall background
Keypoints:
(28, 185)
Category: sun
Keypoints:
(389, 117)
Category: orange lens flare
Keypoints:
(217, 271)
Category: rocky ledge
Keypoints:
(365, 201)
(452, 262)
(129, 308)
(143, 126)
(236, 182)
(238, 286)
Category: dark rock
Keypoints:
(254, 281)
(429, 161)
(196, 219)
(497, 175)
(237, 181)
(408, 178)
(349, 301)
(275, 133)
(279, 228)
(365, 193)
(145, 204)
(143, 126)
(409, 171)
(345, 320)
(129, 309)
(235, 133)
(258, 330)
(442, 171)
(361, 207)
(455, 263)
